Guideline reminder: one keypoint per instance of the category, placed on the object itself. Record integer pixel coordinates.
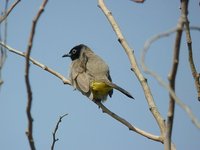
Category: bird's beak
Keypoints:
(67, 55)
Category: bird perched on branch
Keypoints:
(90, 74)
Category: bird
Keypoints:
(90, 74)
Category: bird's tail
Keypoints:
(120, 89)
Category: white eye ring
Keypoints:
(73, 51)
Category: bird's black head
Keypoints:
(75, 52)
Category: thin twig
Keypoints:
(195, 75)
(127, 124)
(143, 81)
(172, 79)
(55, 131)
(161, 81)
(29, 132)
(2, 18)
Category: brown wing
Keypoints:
(79, 77)
(82, 82)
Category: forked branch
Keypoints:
(55, 131)
(152, 106)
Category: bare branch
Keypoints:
(135, 68)
(172, 79)
(196, 76)
(127, 124)
(55, 130)
(37, 63)
(2, 18)
(29, 132)
(158, 78)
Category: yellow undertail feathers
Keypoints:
(100, 90)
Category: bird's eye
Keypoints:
(73, 51)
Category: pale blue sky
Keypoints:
(67, 23)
